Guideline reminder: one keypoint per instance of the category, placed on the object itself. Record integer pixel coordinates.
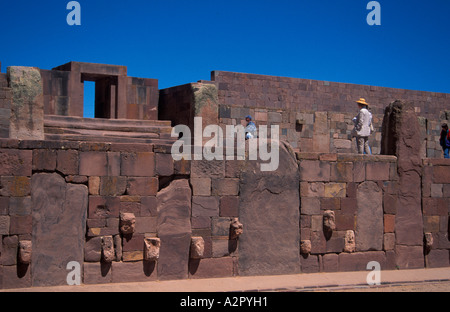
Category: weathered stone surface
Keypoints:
(369, 217)
(305, 247)
(269, 209)
(402, 137)
(349, 241)
(27, 105)
(25, 250)
(174, 229)
(127, 223)
(59, 227)
(151, 248)
(15, 162)
(428, 241)
(197, 247)
(329, 223)
(236, 228)
(409, 257)
(108, 253)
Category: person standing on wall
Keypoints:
(363, 127)
(445, 140)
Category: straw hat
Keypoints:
(362, 101)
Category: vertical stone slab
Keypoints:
(27, 105)
(402, 138)
(174, 230)
(59, 227)
(269, 211)
(369, 217)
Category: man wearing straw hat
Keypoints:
(363, 126)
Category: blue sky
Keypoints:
(178, 42)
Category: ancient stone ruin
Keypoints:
(106, 193)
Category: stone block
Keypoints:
(15, 162)
(220, 226)
(358, 261)
(330, 203)
(436, 190)
(103, 207)
(309, 264)
(112, 186)
(330, 262)
(99, 163)
(223, 187)
(148, 206)
(93, 249)
(369, 217)
(143, 186)
(44, 159)
(139, 164)
(409, 257)
(97, 273)
(207, 169)
(389, 223)
(174, 229)
(341, 172)
(151, 248)
(441, 174)
(431, 224)
(335, 189)
(16, 276)
(27, 105)
(4, 225)
(211, 268)
(205, 206)
(21, 224)
(201, 186)
(312, 189)
(376, 171)
(4, 206)
(314, 171)
(437, 259)
(146, 224)
(164, 165)
(388, 241)
(310, 206)
(20, 206)
(15, 186)
(229, 206)
(67, 161)
(133, 242)
(94, 185)
(138, 271)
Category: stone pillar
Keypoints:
(27, 104)
(269, 209)
(59, 227)
(402, 138)
(174, 230)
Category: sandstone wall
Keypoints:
(128, 212)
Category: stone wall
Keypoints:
(436, 211)
(5, 106)
(128, 212)
(355, 192)
(312, 115)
